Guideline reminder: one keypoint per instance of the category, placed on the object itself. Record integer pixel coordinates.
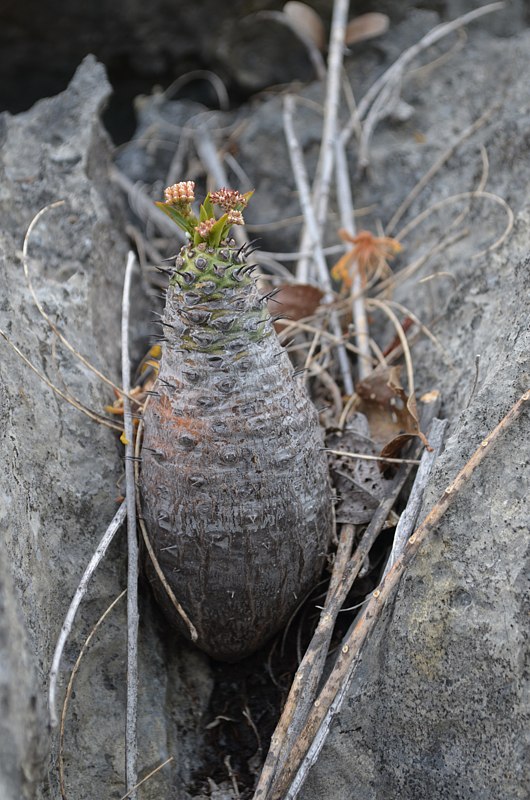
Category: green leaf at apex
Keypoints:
(219, 231)
(187, 224)
(208, 207)
(247, 197)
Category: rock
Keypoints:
(436, 708)
(59, 484)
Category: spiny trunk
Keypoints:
(234, 481)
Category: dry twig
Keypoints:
(302, 184)
(306, 749)
(131, 744)
(74, 605)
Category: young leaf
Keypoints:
(185, 223)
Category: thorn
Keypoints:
(270, 296)
(165, 270)
(297, 372)
(170, 258)
(320, 410)
(279, 317)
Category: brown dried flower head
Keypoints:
(183, 192)
(228, 200)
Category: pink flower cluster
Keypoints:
(228, 200)
(182, 192)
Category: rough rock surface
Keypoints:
(437, 707)
(58, 485)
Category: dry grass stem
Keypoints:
(375, 103)
(93, 415)
(319, 196)
(131, 741)
(147, 777)
(360, 320)
(38, 304)
(70, 686)
(149, 547)
(74, 605)
(365, 457)
(308, 745)
(434, 169)
(409, 517)
(424, 329)
(465, 196)
(306, 680)
(411, 269)
(144, 207)
(384, 307)
(300, 695)
(200, 75)
(302, 185)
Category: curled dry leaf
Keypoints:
(294, 301)
(366, 26)
(391, 413)
(306, 22)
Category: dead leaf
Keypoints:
(295, 301)
(391, 413)
(366, 26)
(306, 22)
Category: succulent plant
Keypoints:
(234, 481)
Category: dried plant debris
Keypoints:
(392, 414)
(358, 482)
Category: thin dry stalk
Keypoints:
(74, 605)
(365, 457)
(370, 110)
(402, 338)
(131, 725)
(149, 547)
(411, 269)
(40, 308)
(464, 196)
(310, 669)
(306, 680)
(360, 320)
(434, 169)
(197, 75)
(424, 329)
(302, 184)
(409, 517)
(299, 325)
(144, 206)
(93, 415)
(147, 777)
(326, 157)
(70, 686)
(348, 657)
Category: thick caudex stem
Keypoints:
(234, 481)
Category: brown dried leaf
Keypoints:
(306, 22)
(295, 301)
(391, 413)
(366, 26)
